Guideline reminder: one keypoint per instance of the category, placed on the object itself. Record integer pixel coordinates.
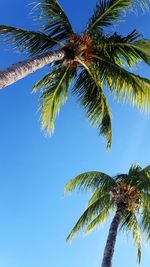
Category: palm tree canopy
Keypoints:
(94, 60)
(129, 191)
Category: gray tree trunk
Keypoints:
(23, 68)
(111, 240)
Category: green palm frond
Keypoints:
(85, 218)
(146, 171)
(89, 91)
(109, 11)
(127, 50)
(106, 12)
(145, 213)
(26, 41)
(100, 219)
(55, 92)
(139, 178)
(130, 223)
(102, 193)
(55, 22)
(88, 180)
(134, 170)
(125, 85)
(146, 223)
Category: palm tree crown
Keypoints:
(94, 59)
(127, 193)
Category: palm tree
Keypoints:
(93, 59)
(127, 195)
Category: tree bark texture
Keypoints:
(23, 68)
(111, 240)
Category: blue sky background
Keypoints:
(35, 218)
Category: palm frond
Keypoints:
(100, 219)
(25, 41)
(145, 213)
(127, 50)
(134, 170)
(88, 180)
(88, 215)
(89, 91)
(106, 12)
(55, 92)
(125, 85)
(109, 11)
(130, 223)
(102, 193)
(139, 178)
(55, 22)
(146, 171)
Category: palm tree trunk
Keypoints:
(23, 68)
(111, 240)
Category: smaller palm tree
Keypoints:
(127, 195)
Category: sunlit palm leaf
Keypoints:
(125, 85)
(101, 218)
(88, 180)
(55, 92)
(102, 193)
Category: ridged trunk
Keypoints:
(111, 240)
(23, 68)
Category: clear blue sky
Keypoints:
(35, 218)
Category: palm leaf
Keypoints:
(146, 171)
(134, 170)
(106, 12)
(130, 223)
(145, 213)
(88, 180)
(55, 92)
(139, 178)
(100, 219)
(26, 41)
(109, 11)
(85, 218)
(102, 193)
(132, 48)
(55, 22)
(89, 91)
(124, 84)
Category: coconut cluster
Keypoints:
(78, 48)
(125, 195)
